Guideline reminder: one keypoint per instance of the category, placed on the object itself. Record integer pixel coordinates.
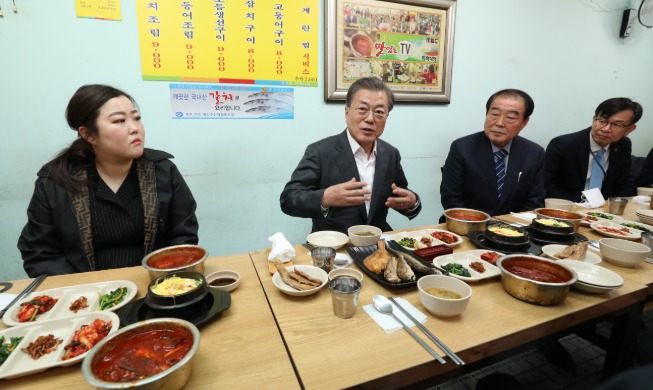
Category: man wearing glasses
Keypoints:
(352, 178)
(597, 157)
(496, 170)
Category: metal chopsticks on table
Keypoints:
(31, 287)
(451, 354)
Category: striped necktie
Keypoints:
(500, 169)
(596, 177)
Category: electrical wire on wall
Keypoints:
(15, 9)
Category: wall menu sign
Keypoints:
(227, 41)
(98, 9)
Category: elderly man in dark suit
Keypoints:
(496, 170)
(596, 157)
(352, 178)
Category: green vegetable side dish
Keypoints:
(8, 348)
(600, 215)
(113, 298)
(457, 269)
(635, 226)
(408, 242)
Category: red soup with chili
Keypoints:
(174, 260)
(536, 274)
(142, 354)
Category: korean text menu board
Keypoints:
(229, 41)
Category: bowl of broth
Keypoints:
(443, 296)
(364, 235)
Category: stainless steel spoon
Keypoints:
(595, 244)
(383, 305)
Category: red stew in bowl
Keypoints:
(536, 274)
(143, 355)
(174, 260)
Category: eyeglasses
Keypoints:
(364, 112)
(615, 125)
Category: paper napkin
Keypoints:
(642, 199)
(525, 216)
(388, 322)
(281, 248)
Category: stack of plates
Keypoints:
(593, 278)
(646, 216)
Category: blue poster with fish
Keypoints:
(216, 101)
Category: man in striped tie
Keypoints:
(496, 170)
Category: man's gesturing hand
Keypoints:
(349, 193)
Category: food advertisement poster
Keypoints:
(199, 101)
(219, 41)
(98, 9)
(407, 44)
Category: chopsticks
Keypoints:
(31, 287)
(430, 335)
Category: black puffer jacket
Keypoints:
(57, 237)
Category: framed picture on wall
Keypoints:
(406, 43)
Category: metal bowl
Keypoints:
(462, 221)
(535, 291)
(174, 377)
(562, 215)
(197, 253)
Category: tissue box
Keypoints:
(432, 252)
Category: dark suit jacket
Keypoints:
(330, 161)
(567, 160)
(645, 177)
(469, 179)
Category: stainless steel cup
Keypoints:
(323, 257)
(344, 295)
(617, 205)
(647, 239)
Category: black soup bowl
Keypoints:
(177, 293)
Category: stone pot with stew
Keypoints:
(535, 279)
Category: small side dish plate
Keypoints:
(310, 271)
(428, 237)
(551, 250)
(19, 363)
(598, 216)
(464, 259)
(67, 295)
(616, 230)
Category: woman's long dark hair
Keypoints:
(82, 111)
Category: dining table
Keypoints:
(330, 352)
(269, 339)
(240, 348)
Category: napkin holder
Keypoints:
(593, 197)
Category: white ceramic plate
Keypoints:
(20, 363)
(418, 235)
(588, 222)
(625, 233)
(307, 269)
(639, 224)
(593, 278)
(335, 240)
(465, 258)
(68, 295)
(551, 250)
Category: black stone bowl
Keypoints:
(568, 228)
(502, 239)
(179, 303)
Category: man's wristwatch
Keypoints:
(410, 210)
